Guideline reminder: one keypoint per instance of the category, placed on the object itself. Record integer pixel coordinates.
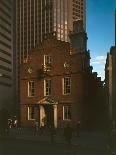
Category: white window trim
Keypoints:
(45, 94)
(63, 86)
(49, 60)
(64, 114)
(29, 119)
(28, 89)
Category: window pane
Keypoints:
(47, 87)
(31, 113)
(67, 85)
(66, 112)
(31, 89)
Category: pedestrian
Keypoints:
(113, 141)
(68, 134)
(4, 122)
(42, 125)
(10, 123)
(15, 122)
(78, 129)
(36, 127)
(52, 132)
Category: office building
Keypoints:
(38, 18)
(6, 53)
(110, 82)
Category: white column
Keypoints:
(42, 113)
(55, 116)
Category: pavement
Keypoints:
(89, 140)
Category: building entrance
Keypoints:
(48, 115)
(48, 112)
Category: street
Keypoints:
(26, 147)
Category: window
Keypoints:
(47, 62)
(66, 85)
(47, 59)
(31, 113)
(47, 87)
(31, 89)
(66, 112)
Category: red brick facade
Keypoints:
(66, 62)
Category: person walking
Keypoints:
(113, 141)
(68, 134)
(15, 122)
(4, 122)
(42, 125)
(78, 129)
(36, 127)
(52, 133)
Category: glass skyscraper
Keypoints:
(37, 18)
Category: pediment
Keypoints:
(47, 100)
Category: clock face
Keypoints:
(66, 65)
(29, 70)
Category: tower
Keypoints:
(78, 37)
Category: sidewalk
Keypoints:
(97, 141)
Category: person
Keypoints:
(52, 133)
(68, 133)
(42, 127)
(4, 122)
(10, 123)
(113, 140)
(36, 127)
(15, 122)
(78, 129)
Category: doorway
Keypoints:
(48, 115)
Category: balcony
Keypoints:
(47, 67)
(44, 70)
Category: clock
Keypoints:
(29, 70)
(66, 65)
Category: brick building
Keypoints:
(110, 80)
(57, 84)
(52, 84)
(94, 107)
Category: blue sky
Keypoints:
(100, 30)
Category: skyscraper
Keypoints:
(37, 18)
(64, 13)
(6, 53)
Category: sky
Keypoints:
(100, 31)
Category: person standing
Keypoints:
(68, 134)
(78, 129)
(15, 122)
(113, 141)
(36, 127)
(52, 133)
(4, 122)
(42, 125)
